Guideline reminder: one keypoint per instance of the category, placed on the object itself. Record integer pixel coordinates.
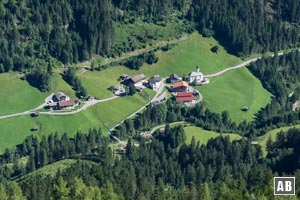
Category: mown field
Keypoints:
(186, 55)
(15, 130)
(17, 95)
(181, 59)
(203, 135)
(229, 92)
(112, 112)
(234, 90)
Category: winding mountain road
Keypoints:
(231, 68)
(158, 92)
(84, 107)
(244, 64)
(94, 102)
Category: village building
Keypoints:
(196, 77)
(154, 82)
(60, 96)
(138, 81)
(174, 78)
(67, 104)
(185, 97)
(180, 86)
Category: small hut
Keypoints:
(245, 109)
(36, 128)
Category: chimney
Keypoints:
(198, 68)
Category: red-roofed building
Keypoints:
(185, 97)
(180, 86)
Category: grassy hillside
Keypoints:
(184, 57)
(181, 59)
(18, 96)
(203, 136)
(234, 90)
(112, 112)
(15, 130)
(262, 140)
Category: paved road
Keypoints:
(163, 125)
(93, 102)
(231, 68)
(158, 92)
(84, 107)
(238, 66)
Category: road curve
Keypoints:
(93, 102)
(231, 68)
(239, 65)
(84, 107)
(158, 92)
(163, 125)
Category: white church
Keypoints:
(197, 77)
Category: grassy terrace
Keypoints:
(234, 90)
(203, 136)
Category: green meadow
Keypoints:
(103, 115)
(98, 82)
(186, 55)
(234, 90)
(229, 92)
(181, 59)
(15, 130)
(17, 95)
(112, 112)
(203, 135)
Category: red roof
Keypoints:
(185, 99)
(184, 96)
(180, 84)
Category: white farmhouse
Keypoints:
(155, 82)
(196, 77)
